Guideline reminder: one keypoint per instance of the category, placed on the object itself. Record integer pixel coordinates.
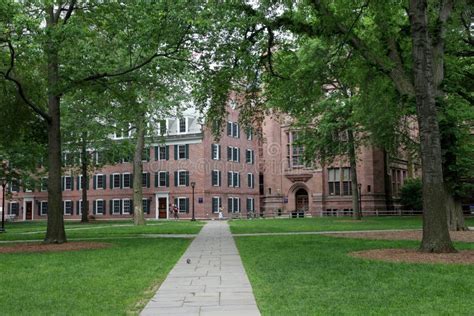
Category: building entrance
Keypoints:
(302, 202)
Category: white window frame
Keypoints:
(251, 151)
(42, 189)
(161, 147)
(147, 178)
(64, 207)
(178, 199)
(179, 178)
(178, 126)
(113, 206)
(143, 205)
(251, 183)
(41, 208)
(97, 181)
(252, 208)
(97, 208)
(123, 206)
(159, 179)
(79, 211)
(79, 182)
(218, 178)
(219, 204)
(236, 207)
(216, 151)
(113, 181)
(123, 180)
(160, 127)
(178, 147)
(64, 179)
(249, 133)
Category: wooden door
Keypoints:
(29, 211)
(162, 207)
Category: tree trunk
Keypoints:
(55, 232)
(84, 181)
(455, 214)
(435, 229)
(138, 216)
(354, 182)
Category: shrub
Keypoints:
(411, 195)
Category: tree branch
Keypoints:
(145, 62)
(69, 11)
(7, 75)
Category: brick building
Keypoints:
(242, 172)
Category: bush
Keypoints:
(411, 195)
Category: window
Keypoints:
(116, 207)
(250, 180)
(249, 156)
(216, 151)
(67, 183)
(146, 154)
(294, 151)
(249, 133)
(162, 127)
(233, 129)
(183, 204)
(145, 180)
(43, 208)
(161, 152)
(146, 206)
(44, 184)
(181, 152)
(162, 179)
(250, 204)
(14, 187)
(338, 177)
(182, 126)
(79, 183)
(80, 207)
(398, 178)
(100, 181)
(126, 206)
(233, 154)
(116, 180)
(216, 178)
(216, 204)
(233, 179)
(233, 204)
(14, 208)
(98, 157)
(67, 207)
(126, 180)
(100, 207)
(181, 178)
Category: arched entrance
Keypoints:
(301, 199)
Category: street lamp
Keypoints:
(360, 199)
(193, 184)
(4, 184)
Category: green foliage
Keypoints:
(411, 197)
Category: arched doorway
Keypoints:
(301, 199)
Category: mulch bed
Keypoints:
(467, 236)
(39, 247)
(413, 256)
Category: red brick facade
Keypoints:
(278, 183)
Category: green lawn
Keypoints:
(100, 229)
(325, 224)
(312, 275)
(107, 281)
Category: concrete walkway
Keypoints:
(213, 283)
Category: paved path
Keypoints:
(213, 283)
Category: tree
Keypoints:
(395, 47)
(82, 44)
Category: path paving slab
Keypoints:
(214, 281)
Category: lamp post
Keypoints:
(193, 184)
(4, 184)
(360, 199)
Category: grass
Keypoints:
(87, 282)
(326, 224)
(313, 275)
(102, 229)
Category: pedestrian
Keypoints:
(175, 211)
(221, 213)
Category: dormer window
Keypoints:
(182, 128)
